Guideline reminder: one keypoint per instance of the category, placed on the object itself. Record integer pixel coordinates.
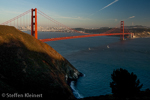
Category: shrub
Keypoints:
(124, 84)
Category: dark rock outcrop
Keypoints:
(28, 65)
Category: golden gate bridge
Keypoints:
(30, 17)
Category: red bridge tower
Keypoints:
(122, 30)
(34, 31)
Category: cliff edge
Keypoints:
(28, 65)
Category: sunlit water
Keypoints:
(97, 57)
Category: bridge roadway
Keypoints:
(81, 36)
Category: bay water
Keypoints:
(97, 57)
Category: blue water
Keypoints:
(97, 57)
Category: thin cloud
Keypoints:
(131, 17)
(116, 19)
(128, 18)
(105, 7)
(5, 12)
(77, 18)
(113, 20)
(109, 5)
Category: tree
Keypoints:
(124, 84)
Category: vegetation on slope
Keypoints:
(125, 84)
(28, 65)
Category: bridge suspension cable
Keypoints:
(15, 18)
(58, 23)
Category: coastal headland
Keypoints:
(31, 68)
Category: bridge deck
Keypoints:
(80, 36)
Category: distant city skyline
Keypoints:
(82, 13)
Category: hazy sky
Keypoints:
(83, 13)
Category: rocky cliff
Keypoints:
(28, 65)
